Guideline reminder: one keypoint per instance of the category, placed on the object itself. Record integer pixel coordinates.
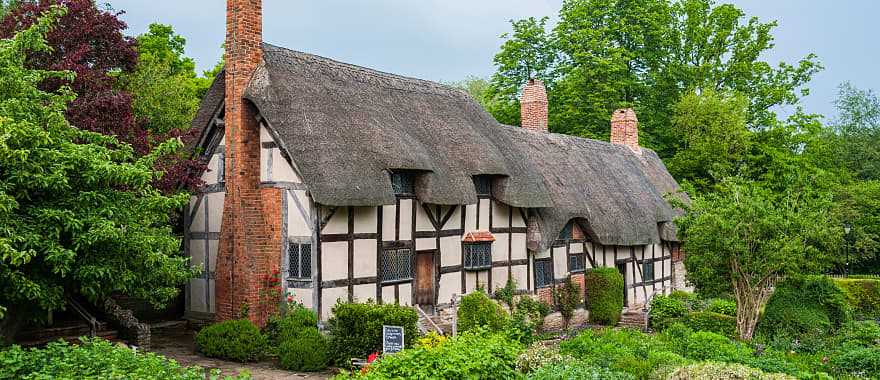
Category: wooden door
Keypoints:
(424, 282)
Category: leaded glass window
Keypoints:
(483, 185)
(648, 271)
(477, 256)
(565, 234)
(543, 273)
(577, 263)
(299, 260)
(396, 265)
(403, 183)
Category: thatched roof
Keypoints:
(346, 127)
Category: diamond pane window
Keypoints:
(403, 183)
(543, 273)
(478, 256)
(396, 265)
(577, 263)
(299, 260)
(483, 185)
(648, 271)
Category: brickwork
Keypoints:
(625, 129)
(250, 237)
(533, 106)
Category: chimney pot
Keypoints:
(533, 106)
(625, 129)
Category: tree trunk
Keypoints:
(749, 302)
(10, 325)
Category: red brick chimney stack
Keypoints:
(625, 129)
(533, 106)
(250, 239)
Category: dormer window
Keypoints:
(565, 234)
(403, 183)
(483, 185)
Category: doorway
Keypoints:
(424, 282)
(621, 267)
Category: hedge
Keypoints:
(804, 307)
(356, 328)
(665, 311)
(478, 310)
(307, 351)
(863, 295)
(712, 322)
(604, 301)
(238, 340)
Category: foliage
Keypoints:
(567, 298)
(356, 328)
(77, 211)
(95, 359)
(507, 293)
(604, 301)
(603, 54)
(861, 362)
(858, 129)
(713, 370)
(804, 307)
(472, 355)
(712, 322)
(431, 340)
(862, 295)
(621, 350)
(744, 236)
(478, 310)
(522, 327)
(306, 351)
(295, 321)
(536, 356)
(691, 300)
(706, 345)
(722, 306)
(577, 370)
(535, 308)
(665, 310)
(238, 340)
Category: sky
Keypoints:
(448, 40)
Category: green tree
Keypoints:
(858, 131)
(712, 138)
(77, 212)
(744, 238)
(604, 54)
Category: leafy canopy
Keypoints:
(77, 211)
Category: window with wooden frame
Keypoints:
(648, 271)
(543, 272)
(577, 262)
(478, 256)
(221, 168)
(483, 185)
(396, 265)
(299, 260)
(403, 183)
(565, 234)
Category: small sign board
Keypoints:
(392, 339)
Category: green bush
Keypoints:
(238, 340)
(536, 310)
(676, 337)
(604, 299)
(665, 311)
(576, 370)
(705, 345)
(567, 298)
(712, 370)
(712, 322)
(356, 328)
(861, 362)
(93, 359)
(306, 351)
(507, 293)
(472, 355)
(478, 310)
(691, 300)
(863, 296)
(295, 321)
(722, 306)
(623, 350)
(804, 308)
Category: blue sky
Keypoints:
(452, 39)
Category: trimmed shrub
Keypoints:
(297, 320)
(94, 359)
(570, 369)
(567, 298)
(356, 328)
(712, 370)
(804, 308)
(863, 295)
(478, 310)
(604, 295)
(306, 351)
(705, 345)
(722, 306)
(712, 322)
(238, 340)
(472, 355)
(665, 311)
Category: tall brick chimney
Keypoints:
(625, 129)
(533, 106)
(250, 239)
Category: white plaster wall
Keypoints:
(406, 219)
(423, 222)
(519, 247)
(484, 215)
(470, 218)
(499, 247)
(499, 277)
(450, 251)
(426, 244)
(364, 293)
(365, 219)
(405, 294)
(560, 263)
(365, 260)
(334, 261)
(450, 283)
(338, 223)
(517, 218)
(388, 294)
(388, 216)
(299, 222)
(520, 275)
(329, 296)
(500, 215)
(454, 221)
(303, 296)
